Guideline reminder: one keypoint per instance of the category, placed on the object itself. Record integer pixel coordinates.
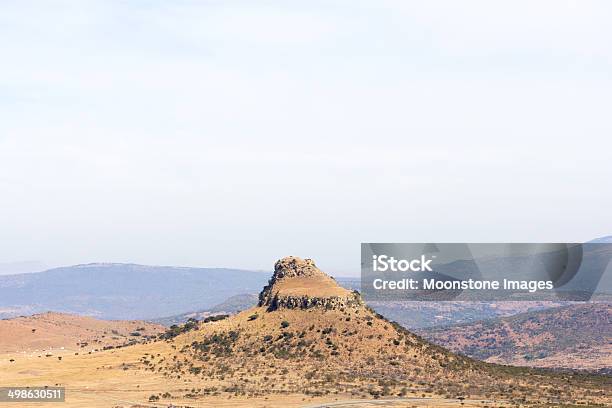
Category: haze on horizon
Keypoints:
(233, 134)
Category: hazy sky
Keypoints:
(233, 133)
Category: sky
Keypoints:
(230, 133)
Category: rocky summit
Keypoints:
(294, 267)
(298, 284)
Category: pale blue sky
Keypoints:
(233, 133)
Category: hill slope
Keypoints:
(577, 336)
(48, 331)
(306, 340)
(231, 305)
(145, 292)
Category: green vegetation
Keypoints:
(190, 325)
(214, 318)
(218, 344)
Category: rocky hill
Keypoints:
(307, 340)
(577, 336)
(299, 284)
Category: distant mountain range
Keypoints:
(12, 268)
(171, 295)
(577, 336)
(123, 291)
(602, 240)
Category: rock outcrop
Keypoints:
(294, 267)
(298, 284)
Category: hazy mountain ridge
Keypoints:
(173, 293)
(123, 291)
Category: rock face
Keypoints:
(306, 302)
(298, 284)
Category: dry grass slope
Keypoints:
(51, 330)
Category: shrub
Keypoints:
(218, 344)
(191, 324)
(284, 324)
(215, 318)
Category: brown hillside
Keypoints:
(307, 340)
(51, 330)
(577, 336)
